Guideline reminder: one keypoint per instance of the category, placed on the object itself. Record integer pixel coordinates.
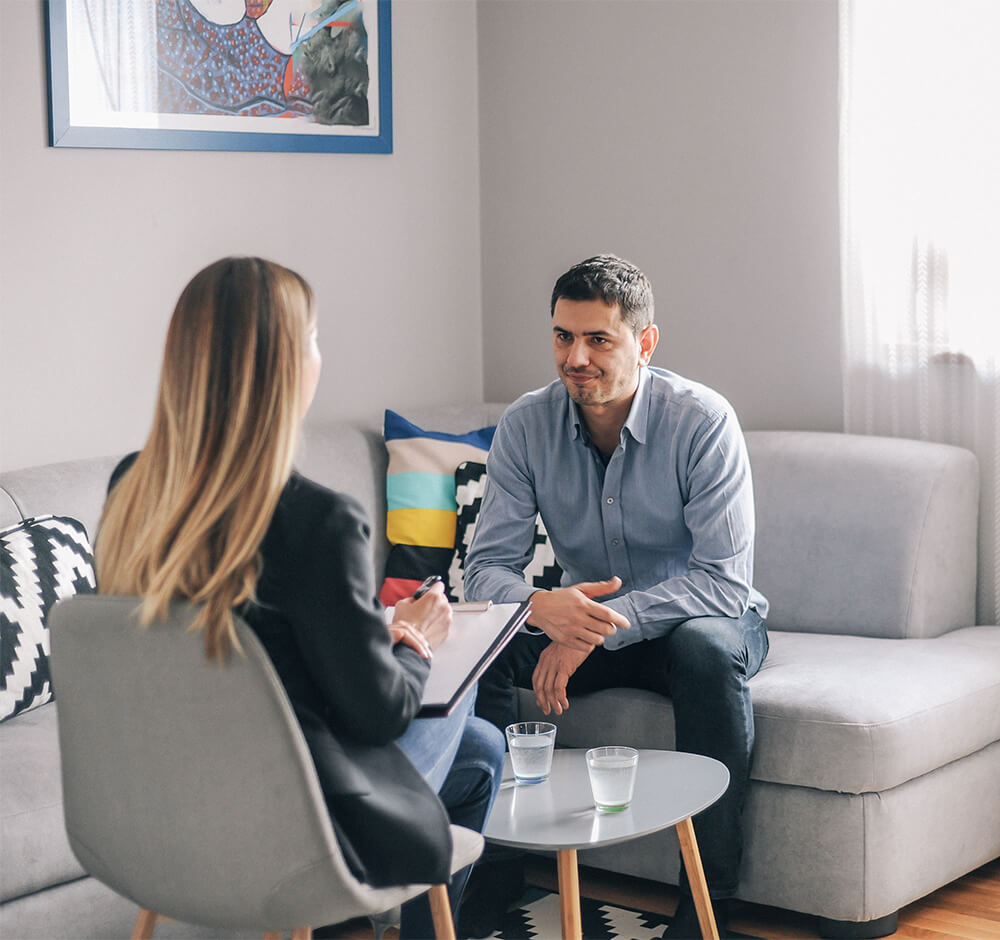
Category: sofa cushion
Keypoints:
(847, 714)
(9, 514)
(71, 488)
(32, 833)
(41, 560)
(420, 500)
(860, 714)
(542, 570)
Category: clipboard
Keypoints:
(477, 637)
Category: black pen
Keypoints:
(426, 586)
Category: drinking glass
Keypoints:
(612, 776)
(530, 744)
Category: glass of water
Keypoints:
(530, 744)
(612, 776)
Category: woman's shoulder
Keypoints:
(313, 524)
(120, 469)
(311, 502)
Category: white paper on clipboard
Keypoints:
(476, 639)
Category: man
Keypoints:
(643, 483)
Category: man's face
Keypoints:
(597, 355)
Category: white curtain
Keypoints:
(920, 222)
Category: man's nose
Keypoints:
(577, 356)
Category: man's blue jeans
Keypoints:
(461, 757)
(703, 665)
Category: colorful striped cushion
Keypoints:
(420, 498)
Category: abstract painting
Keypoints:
(279, 75)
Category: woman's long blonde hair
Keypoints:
(187, 519)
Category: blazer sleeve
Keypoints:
(370, 689)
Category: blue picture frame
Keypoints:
(149, 129)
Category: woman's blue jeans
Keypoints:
(461, 757)
(703, 665)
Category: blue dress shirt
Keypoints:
(671, 513)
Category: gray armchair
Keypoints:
(188, 787)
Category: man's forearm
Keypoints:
(498, 584)
(655, 611)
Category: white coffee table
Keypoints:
(559, 815)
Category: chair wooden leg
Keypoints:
(444, 926)
(145, 924)
(302, 933)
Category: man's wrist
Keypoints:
(529, 627)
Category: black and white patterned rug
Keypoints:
(538, 919)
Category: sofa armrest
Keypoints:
(863, 535)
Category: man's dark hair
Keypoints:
(615, 282)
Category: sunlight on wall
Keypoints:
(921, 164)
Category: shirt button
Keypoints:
(614, 541)
(611, 499)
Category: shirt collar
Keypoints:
(638, 414)
(636, 421)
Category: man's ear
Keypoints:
(648, 339)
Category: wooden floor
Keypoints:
(968, 909)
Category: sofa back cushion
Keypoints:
(73, 488)
(863, 535)
(855, 535)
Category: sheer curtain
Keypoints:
(920, 222)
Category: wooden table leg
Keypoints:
(696, 879)
(569, 894)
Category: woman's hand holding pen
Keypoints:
(423, 621)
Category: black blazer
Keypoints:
(353, 692)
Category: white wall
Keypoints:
(96, 245)
(698, 138)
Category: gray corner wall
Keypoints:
(697, 138)
(95, 246)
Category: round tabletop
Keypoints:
(559, 812)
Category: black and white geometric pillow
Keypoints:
(42, 560)
(542, 571)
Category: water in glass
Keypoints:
(612, 777)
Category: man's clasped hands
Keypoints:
(575, 623)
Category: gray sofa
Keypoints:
(877, 763)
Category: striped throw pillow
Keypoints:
(420, 497)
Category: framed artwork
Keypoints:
(269, 75)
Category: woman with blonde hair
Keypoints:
(211, 510)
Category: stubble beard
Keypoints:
(584, 396)
(600, 394)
